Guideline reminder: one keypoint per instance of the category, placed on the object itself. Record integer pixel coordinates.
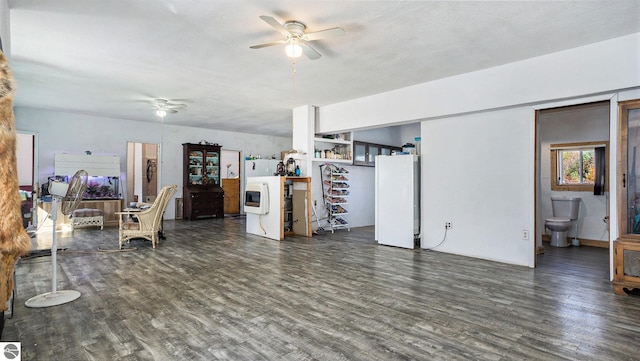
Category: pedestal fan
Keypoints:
(68, 195)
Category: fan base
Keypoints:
(52, 299)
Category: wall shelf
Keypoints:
(331, 160)
(340, 150)
(329, 140)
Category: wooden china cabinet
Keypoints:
(626, 258)
(202, 193)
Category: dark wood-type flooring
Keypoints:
(212, 292)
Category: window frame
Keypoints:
(554, 150)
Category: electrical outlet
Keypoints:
(525, 234)
(447, 225)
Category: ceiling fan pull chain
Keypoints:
(293, 81)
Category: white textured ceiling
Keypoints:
(111, 57)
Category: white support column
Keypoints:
(304, 118)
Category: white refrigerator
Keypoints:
(397, 192)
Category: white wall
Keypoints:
(571, 73)
(394, 135)
(385, 136)
(24, 154)
(137, 164)
(303, 134)
(229, 157)
(571, 125)
(361, 195)
(478, 140)
(478, 174)
(408, 133)
(74, 133)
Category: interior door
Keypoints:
(629, 169)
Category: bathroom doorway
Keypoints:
(566, 141)
(143, 169)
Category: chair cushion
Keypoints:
(87, 212)
(130, 225)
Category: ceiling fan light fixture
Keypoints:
(293, 50)
(161, 113)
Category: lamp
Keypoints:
(293, 50)
(161, 113)
(291, 167)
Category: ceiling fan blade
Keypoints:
(268, 44)
(175, 105)
(159, 102)
(275, 24)
(323, 34)
(310, 52)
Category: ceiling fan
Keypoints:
(164, 106)
(296, 38)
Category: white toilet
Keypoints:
(565, 212)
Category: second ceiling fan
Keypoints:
(164, 106)
(296, 38)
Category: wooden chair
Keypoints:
(146, 223)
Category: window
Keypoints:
(573, 166)
(576, 166)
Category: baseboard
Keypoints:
(594, 243)
(583, 242)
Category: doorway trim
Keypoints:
(612, 165)
(34, 174)
(131, 173)
(34, 158)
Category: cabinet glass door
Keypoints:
(195, 167)
(212, 167)
(629, 180)
(360, 152)
(374, 150)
